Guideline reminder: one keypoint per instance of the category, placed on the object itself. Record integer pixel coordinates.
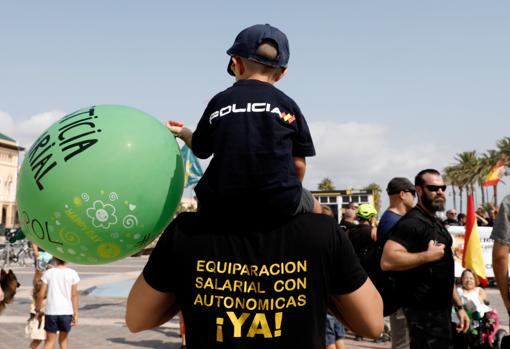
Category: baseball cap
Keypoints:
(249, 39)
(398, 184)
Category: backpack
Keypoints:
(384, 281)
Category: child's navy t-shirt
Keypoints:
(254, 130)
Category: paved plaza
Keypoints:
(103, 292)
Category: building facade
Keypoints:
(9, 158)
(338, 200)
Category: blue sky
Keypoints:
(387, 87)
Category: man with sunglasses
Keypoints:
(401, 193)
(419, 248)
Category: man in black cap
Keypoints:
(401, 193)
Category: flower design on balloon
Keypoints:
(102, 215)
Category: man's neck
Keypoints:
(426, 210)
(398, 208)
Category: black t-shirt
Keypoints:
(240, 286)
(345, 225)
(361, 238)
(259, 129)
(430, 285)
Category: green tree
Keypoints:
(326, 184)
(468, 170)
(376, 192)
(504, 148)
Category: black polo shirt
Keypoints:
(430, 285)
(254, 130)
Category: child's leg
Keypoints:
(308, 203)
(51, 338)
(62, 339)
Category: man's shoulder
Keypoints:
(191, 222)
(413, 218)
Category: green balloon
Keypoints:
(100, 184)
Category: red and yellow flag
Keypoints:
(472, 257)
(495, 174)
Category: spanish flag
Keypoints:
(495, 174)
(472, 257)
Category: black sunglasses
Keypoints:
(435, 188)
(413, 192)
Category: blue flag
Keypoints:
(192, 169)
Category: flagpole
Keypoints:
(495, 192)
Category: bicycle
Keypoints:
(18, 252)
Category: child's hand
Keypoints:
(175, 127)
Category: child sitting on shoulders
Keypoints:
(258, 128)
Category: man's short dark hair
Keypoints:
(418, 180)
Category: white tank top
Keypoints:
(474, 296)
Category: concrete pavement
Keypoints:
(103, 291)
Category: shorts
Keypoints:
(306, 203)
(57, 323)
(334, 330)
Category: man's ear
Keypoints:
(238, 64)
(280, 74)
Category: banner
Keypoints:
(484, 233)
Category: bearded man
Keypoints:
(419, 249)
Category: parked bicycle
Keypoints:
(19, 252)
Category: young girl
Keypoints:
(60, 284)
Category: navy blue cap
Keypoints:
(248, 40)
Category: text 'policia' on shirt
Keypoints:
(249, 108)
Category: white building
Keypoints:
(9, 157)
(338, 200)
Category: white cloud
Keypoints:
(25, 132)
(356, 154)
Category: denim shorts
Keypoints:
(334, 330)
(56, 323)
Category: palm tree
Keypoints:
(326, 184)
(487, 162)
(376, 191)
(504, 147)
(468, 170)
(450, 179)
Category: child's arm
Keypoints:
(39, 298)
(178, 129)
(300, 167)
(74, 301)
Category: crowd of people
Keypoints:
(278, 271)
(484, 216)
